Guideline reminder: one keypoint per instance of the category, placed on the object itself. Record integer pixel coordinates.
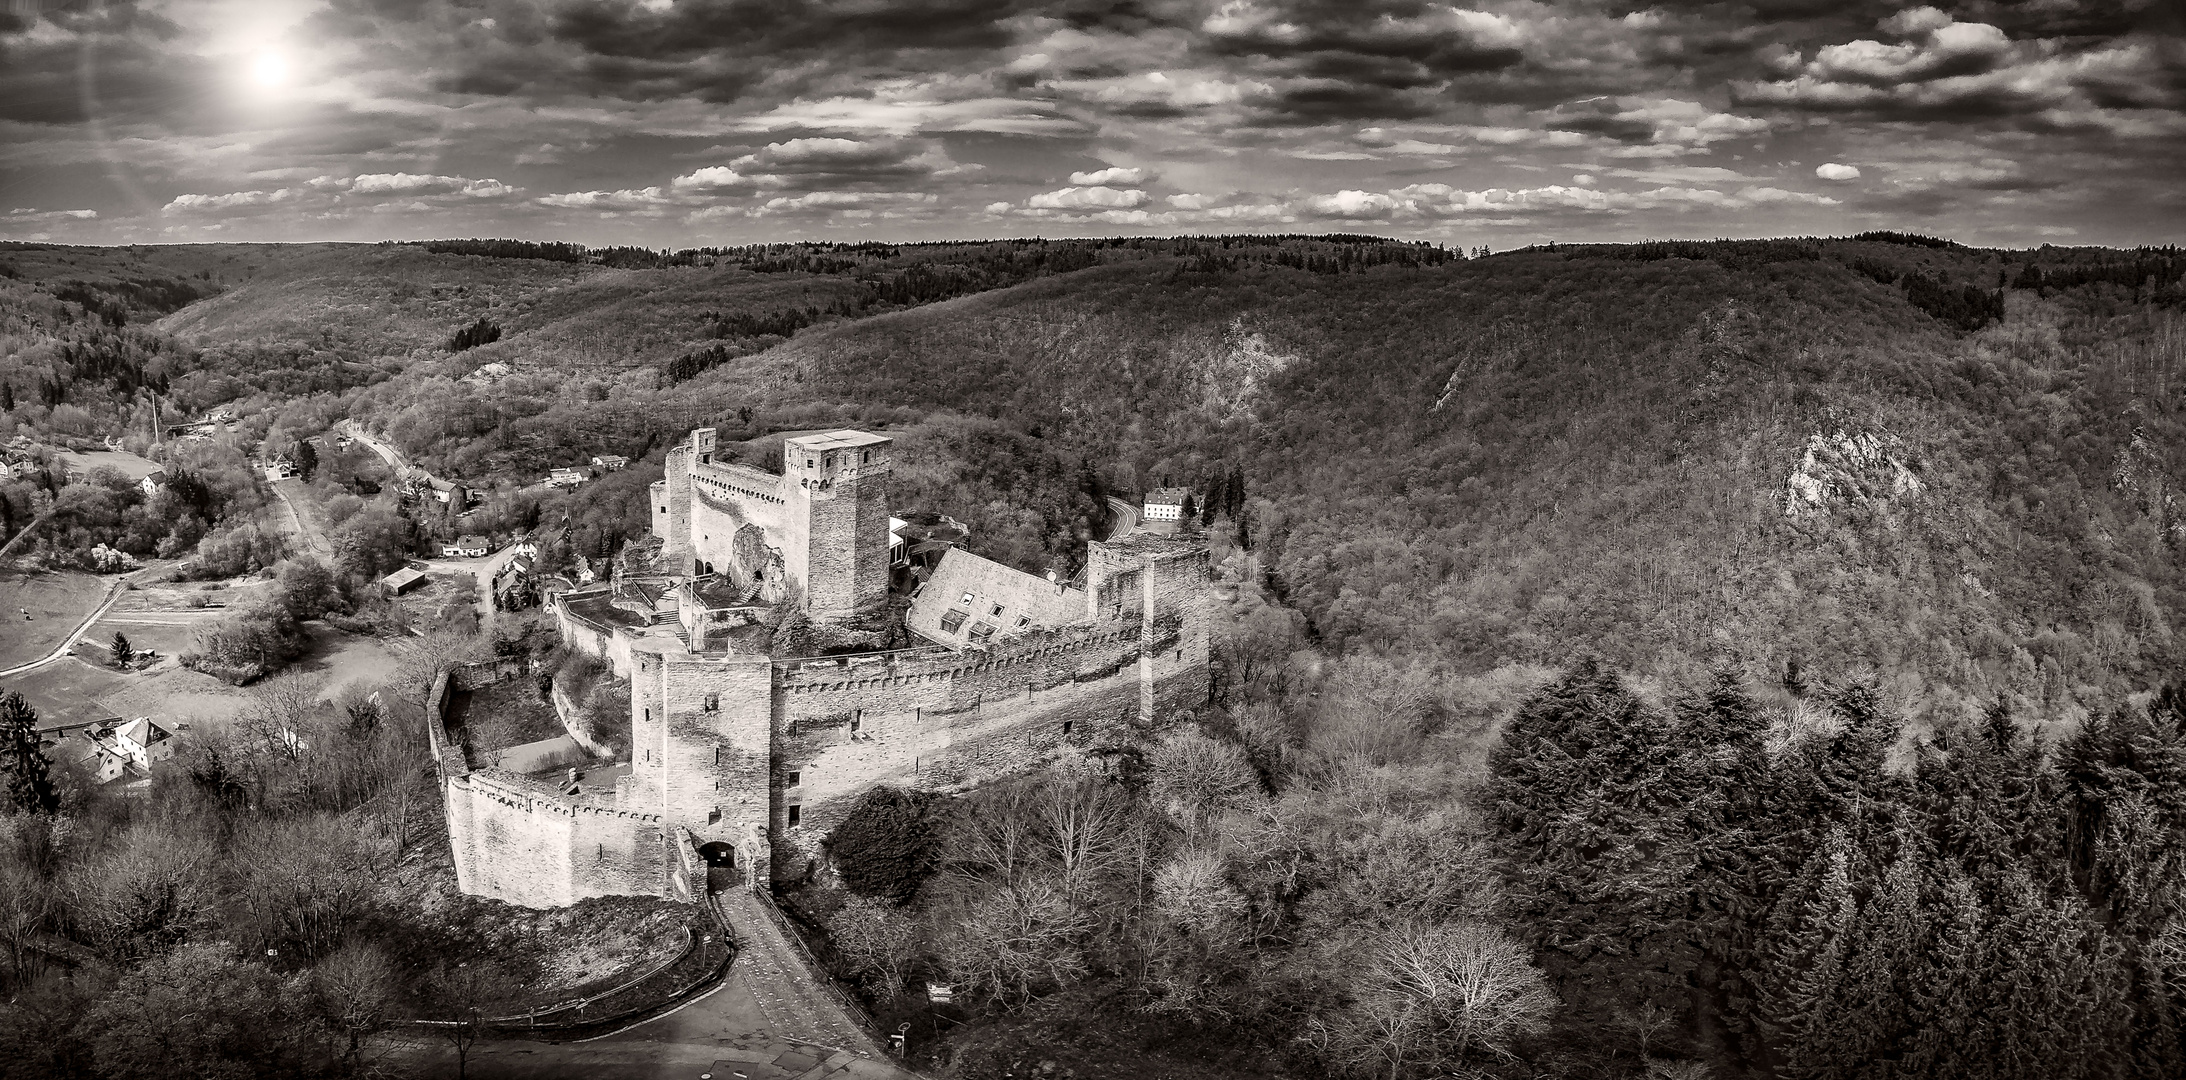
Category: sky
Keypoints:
(685, 123)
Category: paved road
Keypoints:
(1127, 518)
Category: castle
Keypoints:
(741, 759)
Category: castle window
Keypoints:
(1066, 727)
(996, 611)
(865, 458)
(713, 703)
(716, 755)
(794, 777)
(954, 619)
(713, 817)
(967, 601)
(982, 632)
(795, 813)
(648, 715)
(1024, 621)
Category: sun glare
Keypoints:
(270, 69)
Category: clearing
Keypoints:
(57, 602)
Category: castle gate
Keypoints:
(722, 871)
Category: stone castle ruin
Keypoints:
(782, 662)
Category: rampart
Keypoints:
(518, 839)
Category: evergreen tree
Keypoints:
(123, 652)
(22, 759)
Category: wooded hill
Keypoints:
(1824, 454)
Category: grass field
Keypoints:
(57, 602)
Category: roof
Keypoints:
(521, 564)
(1169, 496)
(836, 440)
(472, 540)
(144, 731)
(404, 578)
(1049, 604)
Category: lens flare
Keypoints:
(270, 69)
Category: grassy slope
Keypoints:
(1608, 470)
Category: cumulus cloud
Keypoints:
(1079, 198)
(625, 199)
(1110, 176)
(194, 203)
(1835, 171)
(820, 163)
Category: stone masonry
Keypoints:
(749, 759)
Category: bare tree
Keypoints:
(877, 939)
(1013, 943)
(1085, 827)
(1194, 778)
(26, 899)
(1428, 998)
(356, 992)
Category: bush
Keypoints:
(259, 637)
(885, 848)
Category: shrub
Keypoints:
(885, 848)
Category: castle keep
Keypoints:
(742, 759)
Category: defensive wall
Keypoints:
(518, 839)
(746, 762)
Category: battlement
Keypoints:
(812, 677)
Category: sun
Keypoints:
(269, 69)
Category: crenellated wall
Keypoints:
(729, 745)
(518, 839)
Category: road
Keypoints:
(769, 1020)
(486, 569)
(1127, 518)
(387, 453)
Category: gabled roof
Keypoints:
(144, 731)
(1169, 496)
(404, 578)
(472, 540)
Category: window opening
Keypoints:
(794, 778)
(795, 813)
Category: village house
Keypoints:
(569, 477)
(610, 462)
(280, 468)
(467, 546)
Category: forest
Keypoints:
(1693, 658)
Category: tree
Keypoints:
(123, 653)
(307, 459)
(1430, 1000)
(356, 993)
(200, 1011)
(23, 758)
(877, 941)
(1193, 778)
(885, 846)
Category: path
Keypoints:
(387, 453)
(113, 593)
(312, 540)
(485, 569)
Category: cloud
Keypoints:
(1659, 121)
(1111, 175)
(194, 204)
(416, 184)
(824, 163)
(1077, 198)
(1835, 171)
(625, 199)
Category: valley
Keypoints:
(1670, 629)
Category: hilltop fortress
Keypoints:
(743, 759)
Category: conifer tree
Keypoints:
(22, 759)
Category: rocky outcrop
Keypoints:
(1846, 469)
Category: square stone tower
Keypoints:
(836, 489)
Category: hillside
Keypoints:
(1765, 455)
(1826, 455)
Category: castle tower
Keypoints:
(836, 485)
(672, 514)
(702, 749)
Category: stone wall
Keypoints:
(518, 840)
